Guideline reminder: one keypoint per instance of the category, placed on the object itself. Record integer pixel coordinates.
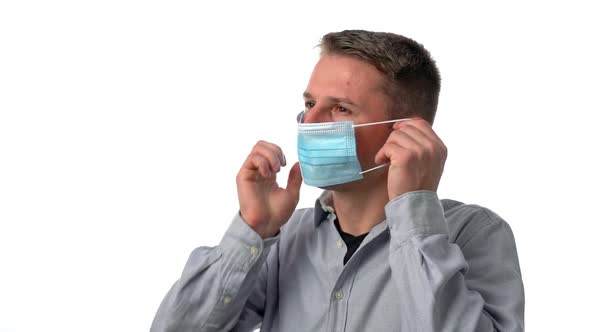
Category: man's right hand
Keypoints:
(263, 204)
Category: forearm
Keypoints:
(430, 272)
(215, 284)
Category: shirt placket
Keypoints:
(340, 293)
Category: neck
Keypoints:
(361, 207)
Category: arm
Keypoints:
(447, 288)
(223, 288)
(219, 285)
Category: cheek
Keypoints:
(369, 141)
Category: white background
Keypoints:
(123, 125)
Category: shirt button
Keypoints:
(338, 295)
(339, 244)
(227, 299)
(254, 251)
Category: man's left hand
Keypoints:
(416, 155)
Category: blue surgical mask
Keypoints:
(327, 152)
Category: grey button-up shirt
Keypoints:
(432, 265)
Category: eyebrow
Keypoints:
(332, 99)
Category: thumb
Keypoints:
(294, 181)
(381, 158)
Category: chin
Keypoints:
(347, 186)
(369, 179)
(333, 187)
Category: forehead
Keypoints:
(344, 76)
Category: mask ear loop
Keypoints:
(376, 123)
(381, 122)
(374, 168)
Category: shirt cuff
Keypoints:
(416, 213)
(244, 244)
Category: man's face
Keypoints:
(343, 88)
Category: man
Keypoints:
(380, 251)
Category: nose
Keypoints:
(315, 115)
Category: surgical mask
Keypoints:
(327, 152)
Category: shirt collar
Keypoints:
(323, 207)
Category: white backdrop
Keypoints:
(123, 124)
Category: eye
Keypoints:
(309, 104)
(342, 109)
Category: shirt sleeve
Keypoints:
(445, 287)
(216, 284)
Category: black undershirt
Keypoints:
(352, 242)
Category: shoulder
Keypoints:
(467, 221)
(301, 223)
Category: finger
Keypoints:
(416, 144)
(403, 139)
(276, 150)
(294, 181)
(417, 135)
(270, 155)
(259, 164)
(400, 124)
(434, 143)
(380, 158)
(384, 154)
(424, 127)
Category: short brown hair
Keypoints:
(412, 80)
